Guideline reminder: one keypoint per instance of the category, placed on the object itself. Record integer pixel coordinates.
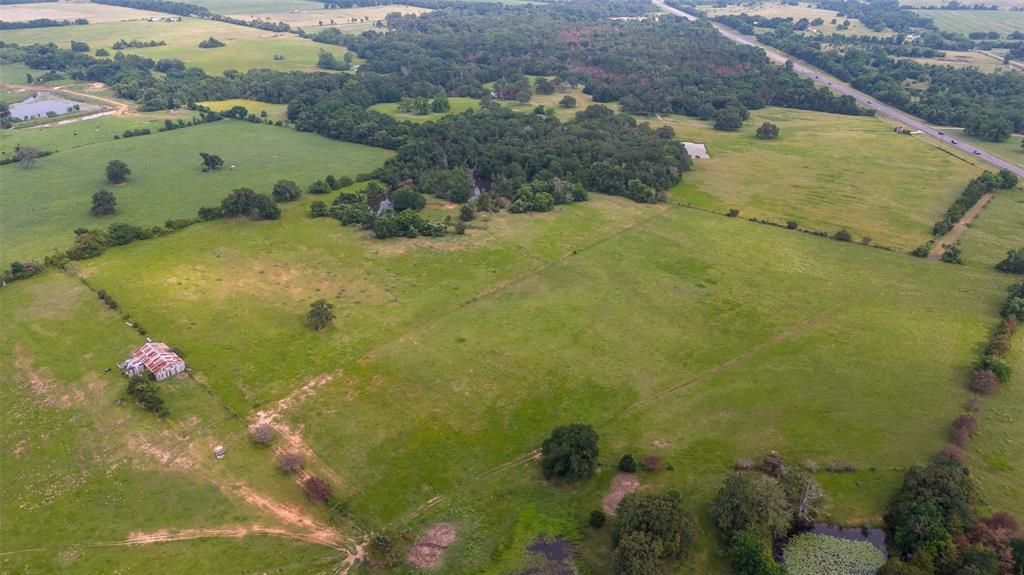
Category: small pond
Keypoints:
(40, 105)
(874, 536)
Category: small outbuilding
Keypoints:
(154, 357)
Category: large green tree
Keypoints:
(320, 315)
(103, 203)
(117, 172)
(570, 452)
(662, 517)
(751, 502)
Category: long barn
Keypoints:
(154, 357)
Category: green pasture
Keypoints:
(998, 229)
(824, 172)
(687, 335)
(83, 470)
(40, 207)
(96, 131)
(254, 6)
(967, 21)
(246, 48)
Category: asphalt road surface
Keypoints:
(912, 122)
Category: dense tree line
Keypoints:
(877, 14)
(41, 23)
(166, 6)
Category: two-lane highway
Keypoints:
(863, 99)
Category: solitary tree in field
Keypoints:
(103, 203)
(321, 314)
(117, 172)
(286, 191)
(261, 434)
(27, 156)
(317, 489)
(571, 452)
(767, 131)
(211, 161)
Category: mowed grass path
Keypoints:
(967, 21)
(246, 48)
(40, 207)
(825, 171)
(687, 335)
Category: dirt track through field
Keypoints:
(953, 235)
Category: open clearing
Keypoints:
(957, 59)
(94, 13)
(246, 48)
(823, 172)
(274, 111)
(40, 207)
(803, 10)
(744, 349)
(70, 136)
(347, 20)
(967, 21)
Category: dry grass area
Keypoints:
(983, 62)
(804, 10)
(71, 11)
(345, 18)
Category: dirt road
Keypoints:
(953, 235)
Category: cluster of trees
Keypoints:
(123, 44)
(1013, 263)
(878, 14)
(756, 507)
(243, 202)
(327, 61)
(932, 527)
(211, 42)
(499, 150)
(650, 528)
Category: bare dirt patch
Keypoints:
(428, 551)
(623, 484)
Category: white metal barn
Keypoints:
(155, 358)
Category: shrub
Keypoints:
(103, 203)
(767, 131)
(1013, 263)
(635, 554)
(245, 202)
(811, 553)
(285, 191)
(117, 172)
(652, 462)
(773, 464)
(567, 102)
(317, 489)
(319, 187)
(843, 235)
(751, 555)
(627, 464)
(146, 393)
(984, 382)
(838, 466)
(792, 225)
(570, 452)
(962, 429)
(261, 434)
(732, 213)
(951, 254)
(290, 462)
(950, 452)
(320, 315)
(467, 213)
(406, 198)
(597, 519)
(318, 209)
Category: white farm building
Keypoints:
(154, 357)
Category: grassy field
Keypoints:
(957, 59)
(246, 48)
(71, 490)
(967, 21)
(94, 13)
(347, 20)
(1003, 4)
(804, 10)
(40, 207)
(274, 111)
(86, 133)
(998, 229)
(824, 172)
(253, 6)
(695, 337)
